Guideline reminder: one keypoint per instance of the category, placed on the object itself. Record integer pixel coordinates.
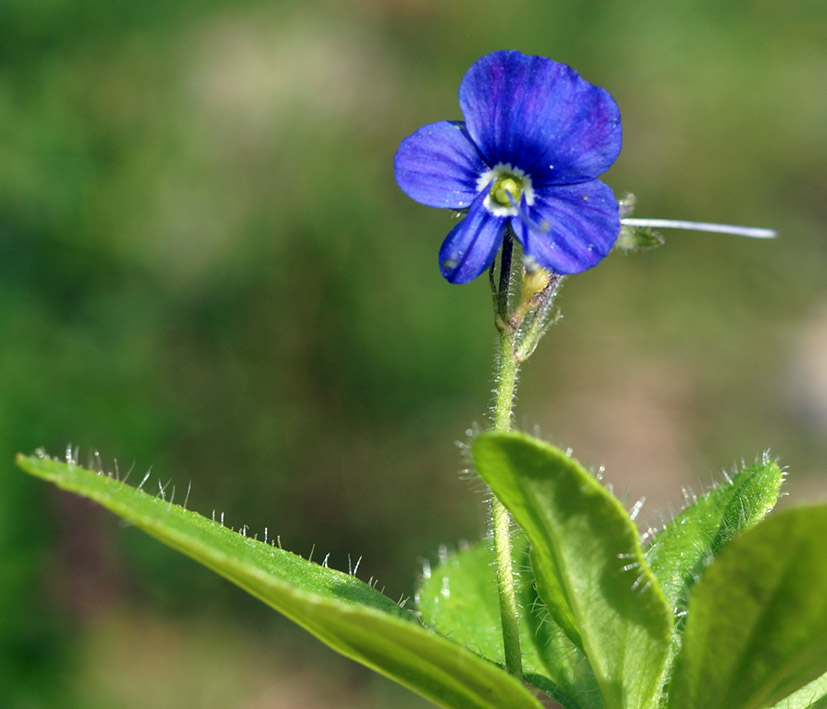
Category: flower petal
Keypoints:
(439, 166)
(471, 245)
(540, 116)
(570, 228)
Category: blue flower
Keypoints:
(535, 138)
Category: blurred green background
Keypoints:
(207, 269)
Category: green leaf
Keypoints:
(679, 552)
(588, 560)
(458, 599)
(810, 696)
(565, 665)
(757, 626)
(343, 612)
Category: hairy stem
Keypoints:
(505, 389)
(506, 384)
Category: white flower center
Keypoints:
(508, 186)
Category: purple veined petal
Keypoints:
(471, 246)
(439, 166)
(569, 229)
(540, 116)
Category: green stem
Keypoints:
(506, 383)
(536, 296)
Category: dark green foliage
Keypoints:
(757, 627)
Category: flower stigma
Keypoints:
(505, 189)
(508, 185)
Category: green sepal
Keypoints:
(634, 239)
(345, 613)
(587, 558)
(626, 205)
(757, 625)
